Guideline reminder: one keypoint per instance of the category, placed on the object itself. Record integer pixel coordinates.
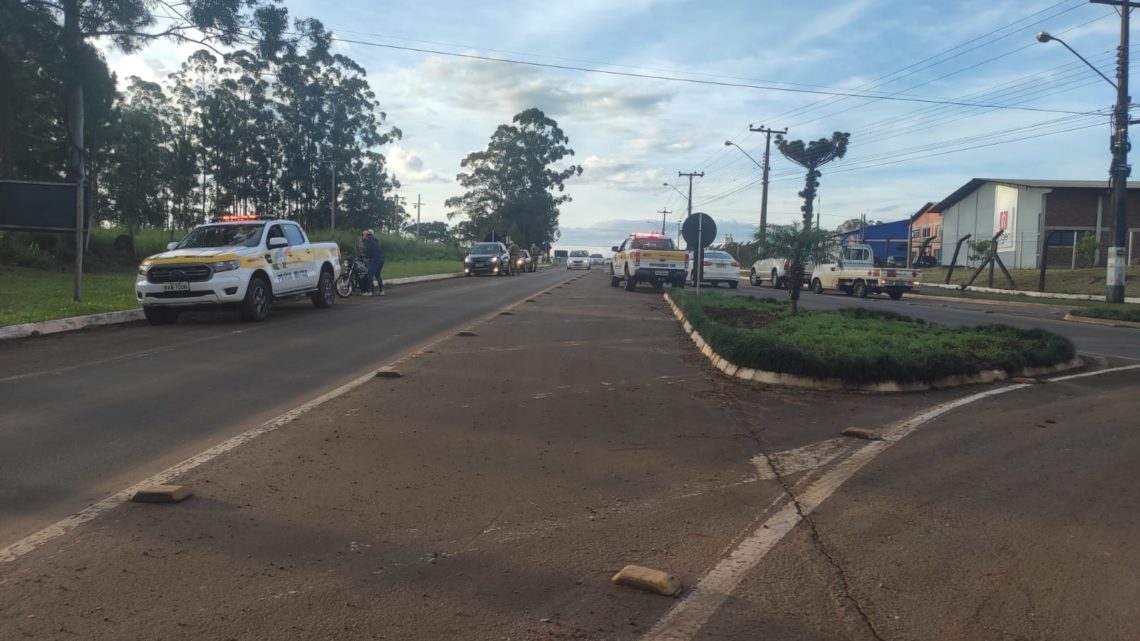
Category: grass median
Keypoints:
(31, 295)
(1130, 313)
(861, 346)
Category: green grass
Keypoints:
(859, 345)
(1130, 313)
(1058, 280)
(30, 295)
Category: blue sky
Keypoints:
(747, 63)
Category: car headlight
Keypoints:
(494, 259)
(467, 260)
(225, 266)
(142, 270)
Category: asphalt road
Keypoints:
(492, 491)
(85, 414)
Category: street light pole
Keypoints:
(1119, 171)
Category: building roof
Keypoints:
(922, 210)
(975, 183)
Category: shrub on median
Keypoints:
(858, 345)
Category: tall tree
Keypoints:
(811, 156)
(514, 186)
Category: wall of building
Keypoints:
(927, 225)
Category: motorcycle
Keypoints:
(352, 278)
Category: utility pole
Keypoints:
(333, 226)
(767, 158)
(664, 213)
(418, 205)
(1120, 170)
(698, 253)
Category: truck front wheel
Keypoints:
(255, 306)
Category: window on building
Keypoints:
(1067, 237)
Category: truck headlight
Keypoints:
(494, 259)
(466, 260)
(142, 270)
(225, 266)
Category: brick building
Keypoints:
(1065, 210)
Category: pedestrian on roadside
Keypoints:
(534, 253)
(375, 254)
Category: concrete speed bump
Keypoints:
(863, 433)
(1025, 380)
(506, 313)
(388, 372)
(531, 300)
(466, 332)
(161, 494)
(648, 579)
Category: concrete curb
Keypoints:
(835, 384)
(69, 324)
(1014, 292)
(58, 325)
(1107, 322)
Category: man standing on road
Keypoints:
(534, 254)
(375, 254)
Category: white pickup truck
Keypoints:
(245, 263)
(854, 273)
(775, 271)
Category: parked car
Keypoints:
(719, 267)
(775, 271)
(487, 258)
(578, 259)
(925, 261)
(597, 259)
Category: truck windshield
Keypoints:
(223, 236)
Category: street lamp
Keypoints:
(764, 190)
(1119, 171)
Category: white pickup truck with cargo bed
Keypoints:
(245, 263)
(854, 272)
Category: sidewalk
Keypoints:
(488, 493)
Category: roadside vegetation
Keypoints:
(858, 345)
(1058, 280)
(1130, 313)
(36, 281)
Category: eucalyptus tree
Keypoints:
(515, 185)
(134, 180)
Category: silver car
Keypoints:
(578, 259)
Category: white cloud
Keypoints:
(409, 167)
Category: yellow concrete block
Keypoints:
(161, 494)
(648, 579)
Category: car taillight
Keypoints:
(686, 261)
(636, 259)
(735, 264)
(707, 263)
(786, 265)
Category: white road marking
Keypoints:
(1096, 373)
(800, 459)
(684, 620)
(61, 527)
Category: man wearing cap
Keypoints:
(375, 254)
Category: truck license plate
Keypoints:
(181, 286)
(661, 272)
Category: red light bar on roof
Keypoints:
(647, 235)
(228, 218)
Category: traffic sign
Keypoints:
(699, 224)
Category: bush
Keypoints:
(861, 346)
